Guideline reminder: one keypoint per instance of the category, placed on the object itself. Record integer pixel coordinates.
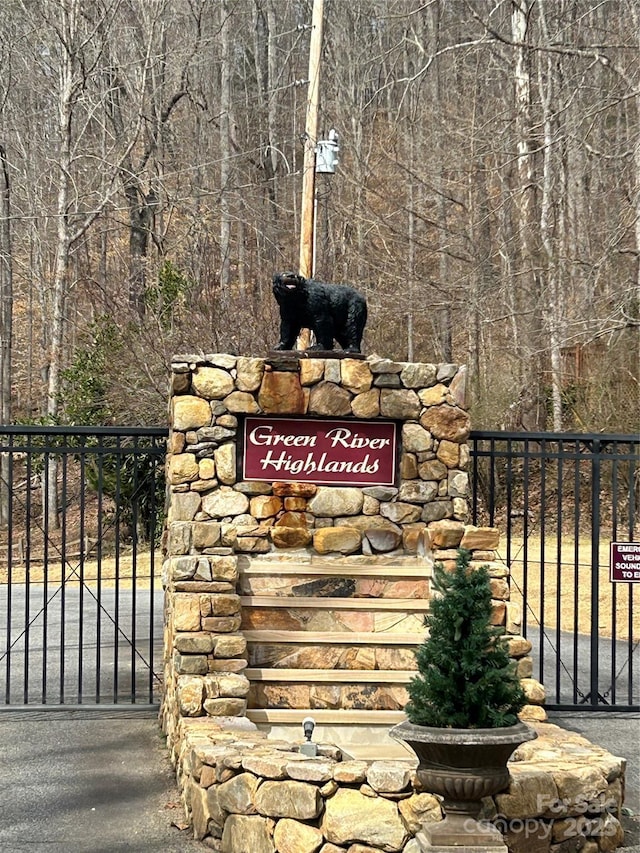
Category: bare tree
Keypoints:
(486, 199)
(6, 319)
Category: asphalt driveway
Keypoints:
(87, 782)
(96, 781)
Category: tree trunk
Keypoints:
(70, 13)
(525, 195)
(552, 299)
(225, 151)
(6, 317)
(140, 225)
(444, 321)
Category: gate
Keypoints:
(80, 593)
(559, 499)
(81, 598)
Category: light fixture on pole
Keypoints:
(327, 154)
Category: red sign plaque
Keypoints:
(331, 452)
(624, 566)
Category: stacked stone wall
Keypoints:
(217, 522)
(217, 509)
(243, 792)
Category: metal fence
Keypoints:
(80, 595)
(81, 599)
(560, 500)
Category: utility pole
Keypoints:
(307, 214)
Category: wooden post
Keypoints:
(309, 165)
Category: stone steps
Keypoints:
(373, 676)
(340, 568)
(340, 716)
(325, 633)
(333, 638)
(328, 603)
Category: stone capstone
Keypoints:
(219, 359)
(351, 772)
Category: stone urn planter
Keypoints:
(462, 766)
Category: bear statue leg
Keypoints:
(350, 335)
(288, 334)
(355, 326)
(324, 336)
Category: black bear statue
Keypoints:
(330, 311)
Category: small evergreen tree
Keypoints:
(466, 678)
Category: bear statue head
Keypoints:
(288, 284)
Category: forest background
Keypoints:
(487, 200)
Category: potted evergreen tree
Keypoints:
(463, 709)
